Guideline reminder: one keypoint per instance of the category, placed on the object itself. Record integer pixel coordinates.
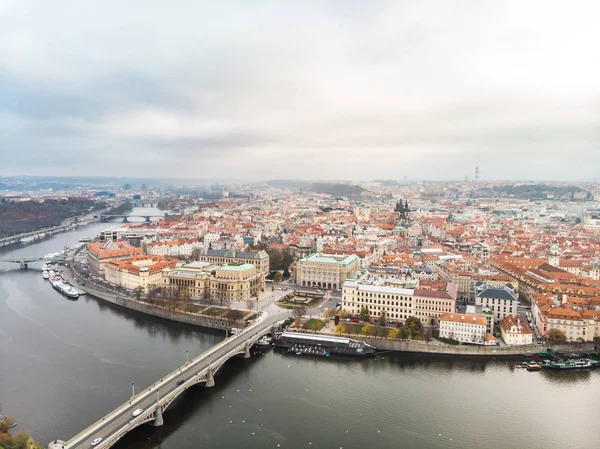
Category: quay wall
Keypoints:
(434, 347)
(148, 309)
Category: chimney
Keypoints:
(564, 299)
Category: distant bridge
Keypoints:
(154, 400)
(25, 261)
(148, 218)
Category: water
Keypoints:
(64, 364)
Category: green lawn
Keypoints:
(314, 325)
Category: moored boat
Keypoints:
(264, 341)
(579, 364)
(45, 274)
(318, 344)
(65, 289)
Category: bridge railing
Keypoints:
(144, 394)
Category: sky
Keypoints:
(347, 90)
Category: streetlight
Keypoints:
(187, 360)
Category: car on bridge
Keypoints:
(138, 411)
(96, 441)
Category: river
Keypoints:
(64, 364)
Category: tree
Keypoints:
(367, 329)
(250, 304)
(413, 326)
(382, 318)
(339, 329)
(299, 311)
(364, 314)
(556, 337)
(185, 297)
(278, 277)
(343, 314)
(138, 292)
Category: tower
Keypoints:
(476, 178)
(554, 258)
(401, 213)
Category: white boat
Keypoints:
(263, 341)
(45, 274)
(27, 240)
(51, 273)
(45, 267)
(65, 289)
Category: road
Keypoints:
(122, 418)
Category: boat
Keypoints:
(45, 274)
(533, 366)
(325, 345)
(264, 341)
(65, 289)
(85, 239)
(27, 240)
(579, 364)
(51, 272)
(549, 355)
(45, 267)
(10, 426)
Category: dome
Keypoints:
(554, 247)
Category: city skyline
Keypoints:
(313, 91)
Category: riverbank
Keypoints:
(203, 321)
(436, 347)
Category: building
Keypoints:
(172, 248)
(193, 278)
(502, 301)
(515, 331)
(397, 303)
(465, 328)
(99, 253)
(236, 282)
(259, 259)
(239, 282)
(141, 271)
(326, 271)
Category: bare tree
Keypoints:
(299, 311)
(250, 304)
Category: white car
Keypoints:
(138, 411)
(96, 441)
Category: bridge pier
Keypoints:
(247, 350)
(147, 219)
(210, 379)
(23, 265)
(125, 219)
(158, 417)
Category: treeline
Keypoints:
(27, 216)
(121, 209)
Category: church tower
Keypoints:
(401, 212)
(554, 258)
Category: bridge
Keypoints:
(108, 217)
(154, 400)
(25, 261)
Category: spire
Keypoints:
(406, 206)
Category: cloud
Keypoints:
(305, 90)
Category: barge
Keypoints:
(318, 344)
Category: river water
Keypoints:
(64, 364)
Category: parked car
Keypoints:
(96, 441)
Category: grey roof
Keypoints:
(235, 254)
(498, 293)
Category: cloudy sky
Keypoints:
(280, 89)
